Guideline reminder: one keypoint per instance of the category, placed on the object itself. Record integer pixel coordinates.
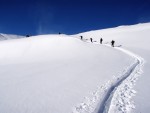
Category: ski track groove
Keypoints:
(115, 96)
(120, 99)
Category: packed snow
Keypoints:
(64, 74)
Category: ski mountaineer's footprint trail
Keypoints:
(120, 98)
(115, 96)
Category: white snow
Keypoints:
(63, 74)
(53, 73)
(10, 36)
(119, 100)
(135, 39)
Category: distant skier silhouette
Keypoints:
(101, 40)
(59, 33)
(112, 43)
(27, 36)
(81, 37)
(91, 40)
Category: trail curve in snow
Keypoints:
(115, 96)
(119, 99)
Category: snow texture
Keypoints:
(53, 73)
(120, 99)
(63, 74)
(116, 95)
(133, 38)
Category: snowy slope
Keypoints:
(57, 74)
(136, 39)
(8, 36)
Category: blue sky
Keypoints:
(69, 16)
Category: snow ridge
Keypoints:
(115, 96)
(9, 36)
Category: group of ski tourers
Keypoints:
(101, 41)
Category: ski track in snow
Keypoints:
(120, 99)
(115, 96)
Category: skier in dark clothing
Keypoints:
(81, 37)
(59, 33)
(112, 43)
(27, 36)
(101, 40)
(91, 40)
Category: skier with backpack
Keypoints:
(91, 40)
(101, 40)
(112, 43)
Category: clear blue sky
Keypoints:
(69, 16)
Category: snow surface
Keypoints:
(9, 36)
(55, 73)
(133, 38)
(63, 74)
